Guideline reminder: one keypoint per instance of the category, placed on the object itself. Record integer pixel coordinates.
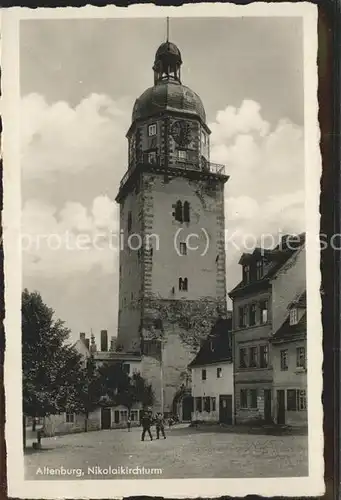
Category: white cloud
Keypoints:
(265, 192)
(59, 138)
(232, 121)
(71, 240)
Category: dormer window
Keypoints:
(259, 269)
(152, 130)
(293, 317)
(246, 272)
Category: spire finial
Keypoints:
(167, 29)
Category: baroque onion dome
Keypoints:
(168, 93)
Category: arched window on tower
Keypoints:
(186, 211)
(178, 211)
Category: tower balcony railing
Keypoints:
(156, 160)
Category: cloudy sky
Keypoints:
(79, 80)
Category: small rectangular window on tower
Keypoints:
(152, 129)
(183, 248)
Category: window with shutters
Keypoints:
(253, 357)
(198, 404)
(253, 398)
(263, 306)
(243, 398)
(300, 357)
(263, 356)
(252, 315)
(284, 360)
(242, 358)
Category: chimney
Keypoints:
(104, 340)
(112, 343)
(82, 336)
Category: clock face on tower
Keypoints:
(181, 132)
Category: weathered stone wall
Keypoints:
(158, 310)
(176, 357)
(130, 280)
(204, 264)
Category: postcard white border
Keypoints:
(313, 485)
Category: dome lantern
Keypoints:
(168, 93)
(167, 63)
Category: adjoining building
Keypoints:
(105, 416)
(289, 346)
(172, 267)
(212, 377)
(271, 280)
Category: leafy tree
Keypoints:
(52, 368)
(144, 391)
(87, 391)
(114, 380)
(121, 389)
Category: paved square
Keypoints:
(186, 453)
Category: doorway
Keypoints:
(267, 406)
(117, 417)
(225, 409)
(105, 418)
(281, 407)
(187, 408)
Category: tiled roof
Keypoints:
(300, 300)
(116, 356)
(288, 332)
(284, 257)
(217, 346)
(279, 256)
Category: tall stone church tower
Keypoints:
(172, 266)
